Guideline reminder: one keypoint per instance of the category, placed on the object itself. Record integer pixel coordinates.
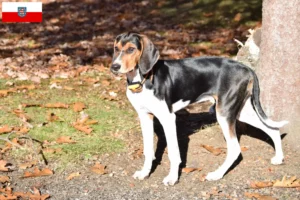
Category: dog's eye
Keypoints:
(117, 49)
(130, 50)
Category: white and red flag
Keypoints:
(22, 12)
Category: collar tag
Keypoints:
(135, 87)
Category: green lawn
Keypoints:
(112, 116)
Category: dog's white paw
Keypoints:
(170, 180)
(277, 160)
(213, 176)
(141, 175)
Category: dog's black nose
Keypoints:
(115, 67)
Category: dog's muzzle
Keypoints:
(115, 68)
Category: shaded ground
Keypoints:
(78, 34)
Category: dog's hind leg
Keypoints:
(249, 116)
(146, 121)
(233, 147)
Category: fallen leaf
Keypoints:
(99, 169)
(65, 139)
(105, 82)
(100, 68)
(6, 193)
(3, 166)
(83, 128)
(73, 175)
(51, 117)
(56, 105)
(21, 114)
(21, 130)
(4, 179)
(4, 93)
(78, 106)
(5, 129)
(35, 195)
(190, 169)
(90, 122)
(213, 150)
(244, 148)
(261, 184)
(28, 164)
(36, 173)
(259, 196)
(287, 183)
(68, 88)
(25, 87)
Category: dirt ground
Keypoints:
(194, 129)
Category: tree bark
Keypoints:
(279, 65)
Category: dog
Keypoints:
(162, 87)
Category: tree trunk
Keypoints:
(279, 65)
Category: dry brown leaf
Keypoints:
(51, 117)
(90, 122)
(6, 193)
(83, 128)
(99, 169)
(244, 148)
(68, 88)
(100, 68)
(21, 114)
(25, 87)
(36, 195)
(73, 175)
(4, 179)
(21, 130)
(56, 105)
(5, 129)
(3, 166)
(287, 183)
(78, 106)
(105, 82)
(4, 93)
(190, 169)
(91, 80)
(36, 173)
(65, 139)
(261, 184)
(259, 196)
(213, 150)
(28, 164)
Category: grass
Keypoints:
(111, 116)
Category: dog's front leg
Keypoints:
(146, 121)
(169, 125)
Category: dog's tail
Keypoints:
(257, 106)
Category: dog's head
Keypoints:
(132, 51)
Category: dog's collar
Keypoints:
(137, 87)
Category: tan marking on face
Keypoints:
(128, 60)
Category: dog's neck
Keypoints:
(134, 76)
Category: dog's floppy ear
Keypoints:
(150, 55)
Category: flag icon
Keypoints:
(22, 12)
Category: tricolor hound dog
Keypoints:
(162, 87)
